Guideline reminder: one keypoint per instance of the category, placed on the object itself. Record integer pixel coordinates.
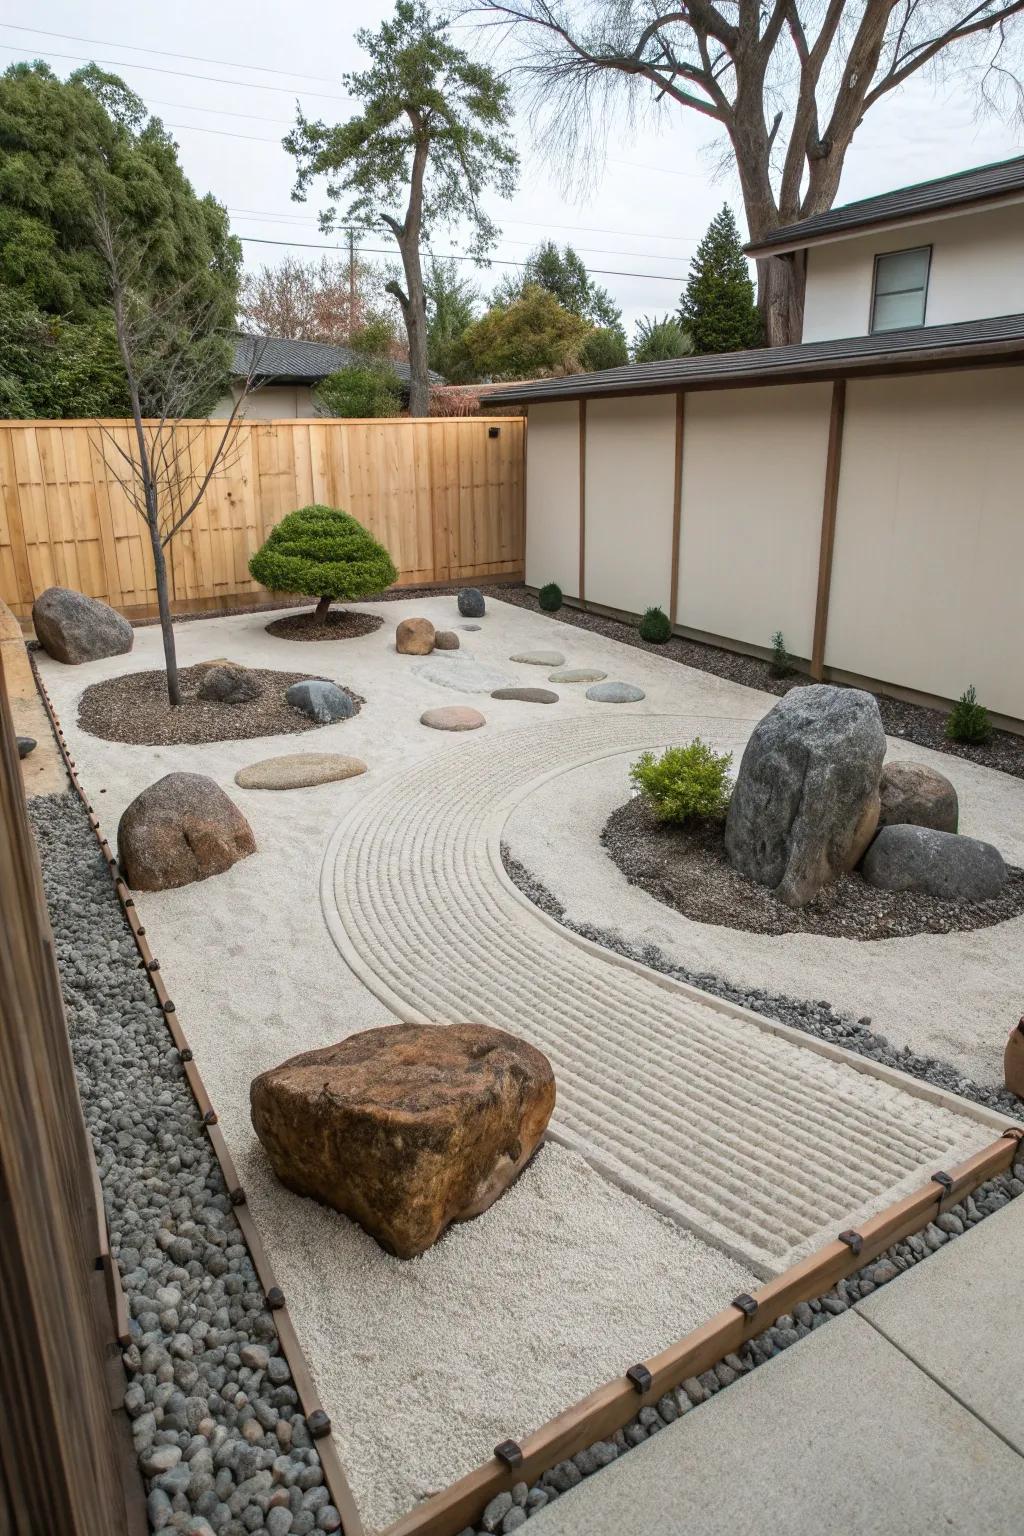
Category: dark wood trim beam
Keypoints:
(583, 503)
(677, 504)
(833, 463)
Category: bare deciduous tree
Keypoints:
(321, 300)
(787, 81)
(172, 350)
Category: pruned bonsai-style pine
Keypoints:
(326, 554)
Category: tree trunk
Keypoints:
(320, 611)
(415, 313)
(781, 282)
(166, 619)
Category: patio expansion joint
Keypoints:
(755, 1137)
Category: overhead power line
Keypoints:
(184, 74)
(495, 261)
(583, 229)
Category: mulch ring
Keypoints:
(686, 868)
(133, 708)
(339, 624)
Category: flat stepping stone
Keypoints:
(464, 673)
(615, 693)
(453, 717)
(298, 770)
(527, 695)
(470, 628)
(577, 675)
(540, 658)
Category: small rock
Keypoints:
(255, 1356)
(228, 685)
(615, 693)
(471, 603)
(322, 701)
(26, 744)
(563, 1477)
(915, 794)
(414, 637)
(596, 1456)
(471, 629)
(513, 1520)
(452, 717)
(446, 640)
(527, 695)
(496, 1511)
(160, 1459)
(539, 658)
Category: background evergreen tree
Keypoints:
(452, 301)
(656, 341)
(529, 337)
(717, 306)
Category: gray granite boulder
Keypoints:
(911, 858)
(321, 701)
(471, 603)
(228, 685)
(73, 628)
(806, 802)
(915, 793)
(26, 744)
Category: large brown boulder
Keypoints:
(180, 829)
(914, 794)
(406, 1128)
(805, 806)
(71, 627)
(414, 637)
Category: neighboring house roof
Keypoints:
(938, 346)
(984, 184)
(299, 362)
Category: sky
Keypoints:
(636, 225)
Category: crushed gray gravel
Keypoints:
(509, 1510)
(218, 1428)
(913, 722)
(816, 1018)
(687, 868)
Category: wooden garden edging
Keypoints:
(317, 1420)
(444, 495)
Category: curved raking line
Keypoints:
(317, 1420)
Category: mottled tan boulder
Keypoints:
(298, 770)
(446, 640)
(180, 829)
(406, 1128)
(414, 637)
(916, 794)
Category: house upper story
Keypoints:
(931, 254)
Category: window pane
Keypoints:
(895, 310)
(901, 270)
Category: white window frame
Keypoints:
(909, 250)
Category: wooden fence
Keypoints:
(445, 497)
(62, 1458)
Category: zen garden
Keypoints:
(514, 909)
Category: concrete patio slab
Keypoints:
(958, 1318)
(841, 1434)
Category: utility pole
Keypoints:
(351, 282)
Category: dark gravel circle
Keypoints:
(133, 708)
(687, 869)
(340, 624)
(913, 722)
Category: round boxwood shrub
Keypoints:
(550, 597)
(324, 553)
(655, 627)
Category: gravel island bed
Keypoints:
(687, 869)
(133, 708)
(913, 722)
(217, 1425)
(339, 624)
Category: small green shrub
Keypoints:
(968, 720)
(685, 783)
(324, 553)
(655, 626)
(782, 661)
(550, 597)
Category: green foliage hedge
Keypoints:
(685, 783)
(550, 597)
(655, 627)
(322, 552)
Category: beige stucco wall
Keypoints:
(929, 550)
(630, 484)
(553, 496)
(753, 486)
(273, 402)
(977, 270)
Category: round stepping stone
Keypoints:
(459, 670)
(470, 628)
(615, 693)
(540, 658)
(527, 695)
(298, 770)
(453, 717)
(577, 675)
